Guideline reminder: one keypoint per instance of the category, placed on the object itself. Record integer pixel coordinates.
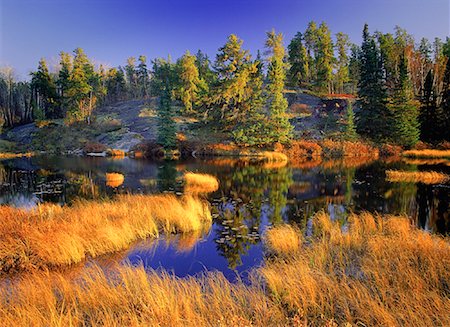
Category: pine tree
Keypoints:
(166, 124)
(354, 67)
(279, 129)
(373, 119)
(143, 79)
(429, 112)
(311, 42)
(298, 60)
(405, 109)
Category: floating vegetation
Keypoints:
(427, 153)
(200, 183)
(425, 177)
(114, 179)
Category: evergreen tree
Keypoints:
(373, 119)
(44, 89)
(429, 113)
(279, 129)
(115, 85)
(444, 127)
(191, 86)
(342, 71)
(405, 109)
(251, 128)
(311, 42)
(166, 124)
(298, 60)
(163, 71)
(143, 78)
(324, 59)
(204, 68)
(350, 128)
(63, 81)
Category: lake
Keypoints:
(251, 197)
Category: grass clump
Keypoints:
(427, 153)
(283, 240)
(424, 177)
(200, 183)
(51, 235)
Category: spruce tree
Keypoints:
(143, 79)
(324, 59)
(279, 129)
(373, 120)
(132, 77)
(350, 128)
(63, 81)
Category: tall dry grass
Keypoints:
(200, 183)
(8, 155)
(427, 153)
(425, 177)
(51, 235)
(379, 271)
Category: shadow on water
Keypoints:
(251, 197)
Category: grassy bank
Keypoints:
(380, 272)
(51, 235)
(427, 153)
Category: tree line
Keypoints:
(402, 86)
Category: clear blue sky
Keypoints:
(110, 31)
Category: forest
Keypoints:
(401, 86)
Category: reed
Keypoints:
(200, 183)
(427, 153)
(51, 235)
(424, 177)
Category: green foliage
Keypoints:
(143, 79)
(163, 72)
(324, 58)
(44, 90)
(279, 129)
(405, 109)
(350, 128)
(342, 69)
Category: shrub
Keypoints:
(94, 147)
(303, 148)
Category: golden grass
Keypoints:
(114, 179)
(427, 162)
(379, 272)
(51, 235)
(425, 177)
(283, 240)
(427, 153)
(200, 183)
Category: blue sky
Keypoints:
(110, 31)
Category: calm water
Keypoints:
(250, 198)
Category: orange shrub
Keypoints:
(303, 148)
